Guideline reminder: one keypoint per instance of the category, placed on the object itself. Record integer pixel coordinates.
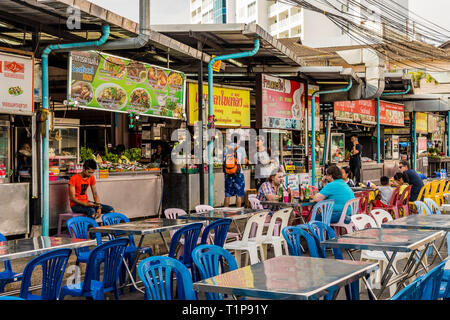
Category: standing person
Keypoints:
(24, 161)
(159, 157)
(336, 190)
(346, 174)
(355, 159)
(263, 163)
(234, 157)
(78, 186)
(413, 179)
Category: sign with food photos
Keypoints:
(16, 83)
(103, 81)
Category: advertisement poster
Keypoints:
(364, 111)
(231, 105)
(16, 83)
(421, 122)
(280, 103)
(99, 80)
(421, 144)
(392, 114)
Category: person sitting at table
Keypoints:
(400, 180)
(268, 191)
(78, 186)
(336, 190)
(384, 194)
(346, 174)
(413, 179)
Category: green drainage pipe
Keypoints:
(313, 129)
(211, 111)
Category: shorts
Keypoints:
(379, 204)
(234, 185)
(90, 211)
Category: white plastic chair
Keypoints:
(256, 205)
(432, 205)
(360, 222)
(274, 238)
(380, 216)
(422, 208)
(203, 208)
(354, 209)
(174, 213)
(252, 195)
(250, 246)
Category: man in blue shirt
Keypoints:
(413, 179)
(336, 190)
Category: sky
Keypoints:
(177, 11)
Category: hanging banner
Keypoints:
(421, 122)
(280, 103)
(231, 105)
(16, 83)
(102, 81)
(392, 114)
(421, 144)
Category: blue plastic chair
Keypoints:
(79, 229)
(293, 235)
(220, 228)
(325, 213)
(410, 292)
(10, 298)
(422, 208)
(444, 290)
(322, 232)
(130, 252)
(191, 234)
(53, 264)
(157, 273)
(8, 275)
(209, 261)
(92, 287)
(430, 283)
(434, 209)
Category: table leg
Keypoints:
(237, 228)
(386, 275)
(164, 241)
(133, 267)
(444, 239)
(370, 292)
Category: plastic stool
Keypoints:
(64, 217)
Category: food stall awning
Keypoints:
(424, 102)
(21, 20)
(219, 39)
(329, 74)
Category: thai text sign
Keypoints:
(231, 106)
(421, 122)
(16, 83)
(364, 111)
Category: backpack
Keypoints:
(230, 165)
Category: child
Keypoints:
(384, 195)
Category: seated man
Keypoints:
(268, 191)
(78, 185)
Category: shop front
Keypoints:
(18, 156)
(129, 176)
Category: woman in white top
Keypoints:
(264, 165)
(346, 173)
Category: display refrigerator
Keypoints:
(64, 148)
(392, 147)
(5, 164)
(337, 147)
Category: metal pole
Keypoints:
(313, 129)
(415, 141)
(200, 118)
(211, 111)
(378, 131)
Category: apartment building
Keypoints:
(285, 21)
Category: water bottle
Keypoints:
(442, 173)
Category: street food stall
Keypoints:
(18, 175)
(105, 82)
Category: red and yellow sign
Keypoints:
(216, 65)
(421, 122)
(231, 105)
(364, 111)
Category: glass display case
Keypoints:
(392, 148)
(337, 148)
(4, 151)
(63, 147)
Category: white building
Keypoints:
(282, 20)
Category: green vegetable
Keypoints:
(111, 157)
(133, 154)
(86, 154)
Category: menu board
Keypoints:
(280, 103)
(99, 80)
(364, 111)
(16, 83)
(231, 106)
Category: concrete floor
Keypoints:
(158, 247)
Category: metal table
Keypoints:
(23, 248)
(143, 228)
(390, 242)
(288, 277)
(425, 222)
(221, 213)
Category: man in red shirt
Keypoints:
(78, 186)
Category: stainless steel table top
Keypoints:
(144, 227)
(420, 221)
(22, 248)
(401, 240)
(220, 213)
(287, 277)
